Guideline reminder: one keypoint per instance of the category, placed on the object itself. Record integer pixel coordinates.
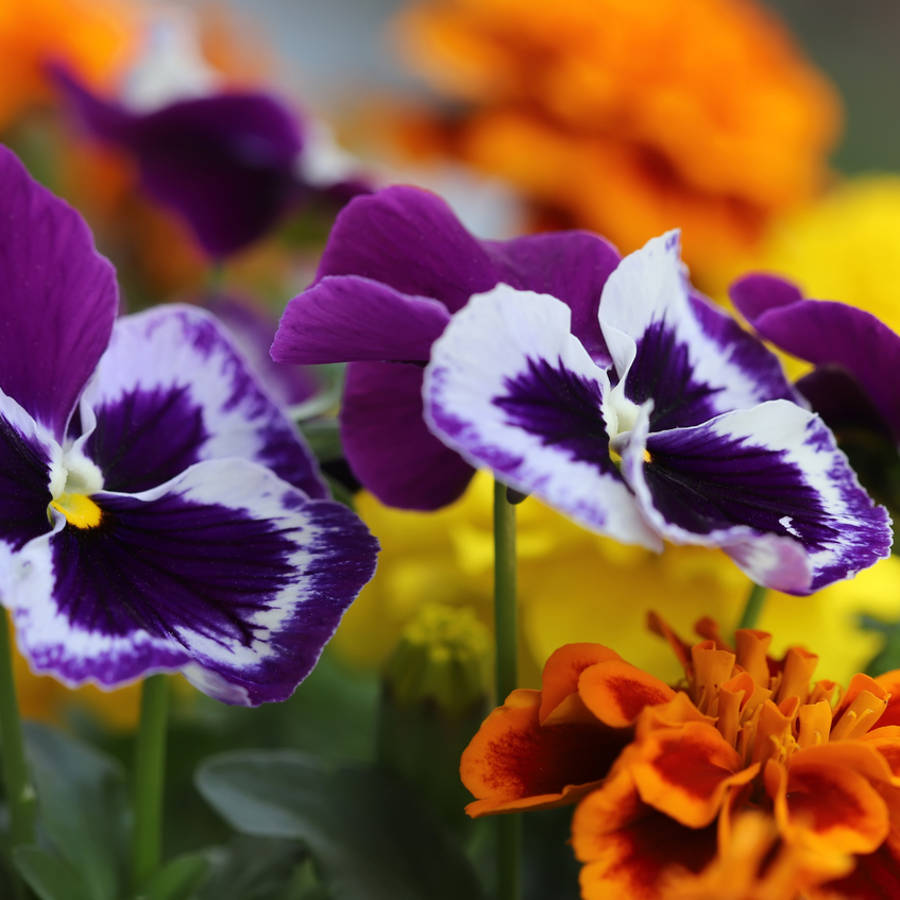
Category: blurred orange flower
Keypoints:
(93, 37)
(631, 118)
(667, 777)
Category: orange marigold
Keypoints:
(745, 780)
(630, 118)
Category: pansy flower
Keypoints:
(230, 162)
(668, 779)
(160, 511)
(690, 436)
(397, 265)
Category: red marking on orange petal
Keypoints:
(616, 692)
(835, 809)
(685, 772)
(876, 876)
(514, 763)
(562, 670)
(634, 861)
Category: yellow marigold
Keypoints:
(574, 585)
(665, 776)
(93, 37)
(705, 109)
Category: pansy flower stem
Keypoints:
(19, 790)
(509, 828)
(149, 773)
(753, 607)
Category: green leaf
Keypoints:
(253, 869)
(82, 807)
(367, 831)
(178, 879)
(48, 875)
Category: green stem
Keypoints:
(149, 775)
(753, 606)
(509, 827)
(20, 794)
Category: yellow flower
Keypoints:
(576, 586)
(630, 118)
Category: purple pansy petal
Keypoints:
(510, 388)
(841, 402)
(409, 239)
(348, 318)
(572, 266)
(387, 444)
(30, 470)
(172, 390)
(828, 333)
(226, 567)
(251, 328)
(759, 292)
(226, 163)
(676, 349)
(770, 470)
(59, 298)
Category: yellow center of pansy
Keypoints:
(78, 509)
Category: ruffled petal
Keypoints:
(617, 692)
(686, 772)
(510, 388)
(832, 807)
(226, 568)
(172, 390)
(514, 763)
(678, 350)
(772, 472)
(348, 318)
(563, 669)
(572, 266)
(386, 442)
(59, 299)
(409, 239)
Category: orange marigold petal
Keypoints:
(832, 807)
(685, 772)
(634, 861)
(514, 763)
(890, 683)
(563, 668)
(616, 692)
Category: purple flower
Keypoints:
(857, 357)
(691, 435)
(230, 163)
(397, 265)
(159, 512)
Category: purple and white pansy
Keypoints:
(397, 266)
(691, 435)
(160, 512)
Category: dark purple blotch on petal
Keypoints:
(24, 486)
(703, 482)
(560, 407)
(146, 437)
(662, 372)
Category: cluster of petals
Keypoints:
(607, 387)
(160, 511)
(746, 767)
(629, 118)
(230, 161)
